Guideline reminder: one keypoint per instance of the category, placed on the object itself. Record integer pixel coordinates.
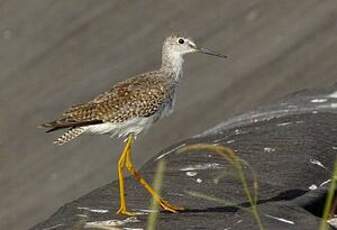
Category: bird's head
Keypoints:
(176, 45)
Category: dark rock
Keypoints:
(290, 145)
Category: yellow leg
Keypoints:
(121, 165)
(129, 165)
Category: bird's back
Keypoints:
(143, 96)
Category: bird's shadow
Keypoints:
(283, 196)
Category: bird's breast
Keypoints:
(168, 106)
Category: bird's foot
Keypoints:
(123, 211)
(169, 207)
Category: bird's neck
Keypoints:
(172, 64)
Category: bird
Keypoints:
(129, 108)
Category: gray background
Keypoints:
(57, 53)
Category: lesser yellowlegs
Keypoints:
(129, 108)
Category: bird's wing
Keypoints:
(140, 96)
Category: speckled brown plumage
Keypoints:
(69, 135)
(140, 96)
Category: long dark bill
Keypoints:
(210, 52)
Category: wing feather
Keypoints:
(141, 96)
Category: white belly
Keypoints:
(122, 129)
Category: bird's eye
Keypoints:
(181, 41)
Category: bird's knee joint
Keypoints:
(121, 163)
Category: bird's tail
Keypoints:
(51, 125)
(69, 135)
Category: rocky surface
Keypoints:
(291, 146)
